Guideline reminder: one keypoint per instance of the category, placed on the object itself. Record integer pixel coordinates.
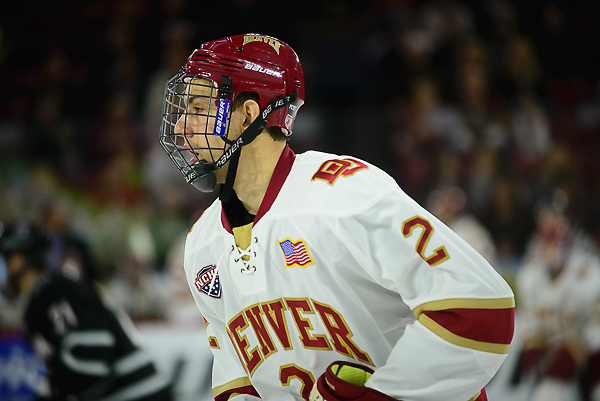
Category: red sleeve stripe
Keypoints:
(485, 325)
(237, 386)
(461, 341)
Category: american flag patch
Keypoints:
(295, 253)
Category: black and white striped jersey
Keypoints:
(89, 348)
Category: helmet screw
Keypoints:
(240, 49)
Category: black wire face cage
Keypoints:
(195, 123)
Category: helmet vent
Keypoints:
(220, 61)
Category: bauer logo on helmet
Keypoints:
(263, 70)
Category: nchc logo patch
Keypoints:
(207, 281)
(295, 253)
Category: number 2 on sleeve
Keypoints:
(439, 254)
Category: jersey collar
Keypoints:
(282, 170)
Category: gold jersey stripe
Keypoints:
(465, 303)
(452, 338)
(232, 385)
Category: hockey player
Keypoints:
(559, 312)
(317, 276)
(88, 347)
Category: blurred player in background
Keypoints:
(88, 347)
(559, 309)
(317, 276)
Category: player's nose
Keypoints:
(184, 126)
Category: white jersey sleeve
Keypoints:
(463, 308)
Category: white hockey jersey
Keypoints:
(340, 264)
(564, 308)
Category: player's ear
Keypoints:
(251, 110)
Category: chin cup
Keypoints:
(206, 183)
(202, 177)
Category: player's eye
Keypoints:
(195, 109)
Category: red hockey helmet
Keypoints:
(255, 63)
(232, 65)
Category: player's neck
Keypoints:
(257, 163)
